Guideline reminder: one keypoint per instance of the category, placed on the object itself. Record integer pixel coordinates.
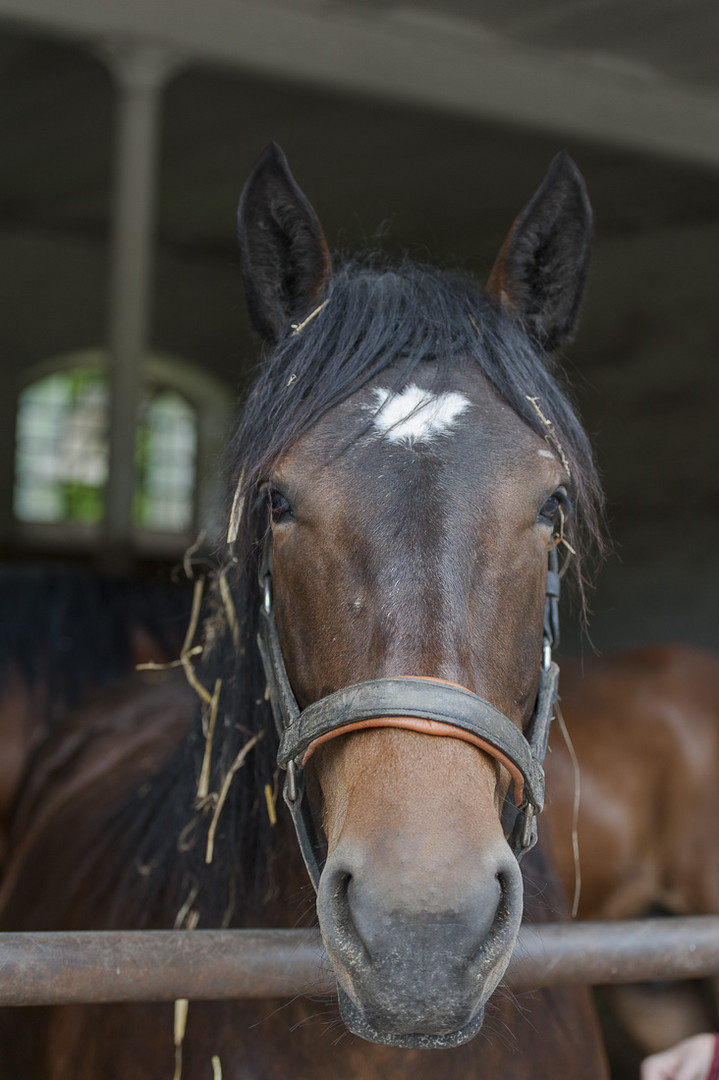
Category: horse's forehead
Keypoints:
(460, 420)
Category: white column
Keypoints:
(140, 70)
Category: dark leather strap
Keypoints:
(551, 606)
(426, 699)
(285, 709)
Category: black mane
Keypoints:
(375, 316)
(69, 630)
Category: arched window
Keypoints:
(62, 448)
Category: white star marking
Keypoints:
(414, 415)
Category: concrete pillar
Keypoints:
(140, 70)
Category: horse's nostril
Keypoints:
(509, 878)
(340, 885)
(341, 894)
(333, 896)
(506, 889)
(334, 908)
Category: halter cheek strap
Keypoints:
(425, 705)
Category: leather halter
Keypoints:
(429, 706)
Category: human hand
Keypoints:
(691, 1059)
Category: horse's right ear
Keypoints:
(542, 267)
(283, 251)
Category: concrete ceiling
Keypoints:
(636, 73)
(473, 96)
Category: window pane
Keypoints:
(61, 448)
(62, 453)
(166, 453)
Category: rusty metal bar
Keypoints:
(594, 953)
(106, 966)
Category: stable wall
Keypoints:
(644, 364)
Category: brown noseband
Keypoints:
(423, 726)
(426, 705)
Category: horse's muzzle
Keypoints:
(416, 967)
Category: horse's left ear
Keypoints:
(283, 251)
(542, 267)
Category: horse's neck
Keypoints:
(101, 811)
(287, 898)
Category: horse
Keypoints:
(645, 728)
(644, 725)
(64, 634)
(404, 474)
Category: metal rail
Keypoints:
(163, 965)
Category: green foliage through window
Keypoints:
(61, 455)
(165, 455)
(62, 452)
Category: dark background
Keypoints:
(438, 182)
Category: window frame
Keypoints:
(213, 404)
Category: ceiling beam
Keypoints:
(403, 55)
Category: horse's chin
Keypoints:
(357, 1024)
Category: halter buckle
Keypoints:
(527, 839)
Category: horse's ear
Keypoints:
(284, 256)
(542, 267)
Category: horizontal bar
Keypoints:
(162, 965)
(595, 953)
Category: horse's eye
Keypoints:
(279, 505)
(555, 505)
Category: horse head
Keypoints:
(425, 472)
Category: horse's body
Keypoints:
(645, 727)
(403, 470)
